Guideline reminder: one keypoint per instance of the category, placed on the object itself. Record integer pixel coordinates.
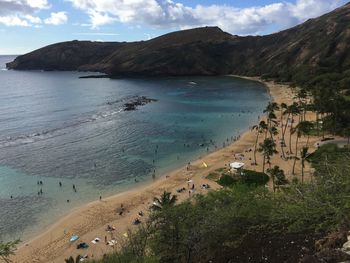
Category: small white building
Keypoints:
(237, 167)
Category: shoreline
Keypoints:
(89, 220)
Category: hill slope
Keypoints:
(317, 46)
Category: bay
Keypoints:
(56, 127)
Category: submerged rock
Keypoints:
(139, 101)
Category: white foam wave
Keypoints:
(46, 134)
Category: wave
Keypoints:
(51, 133)
(114, 108)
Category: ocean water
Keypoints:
(55, 127)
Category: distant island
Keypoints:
(301, 54)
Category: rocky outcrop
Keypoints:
(333, 248)
(139, 101)
(333, 240)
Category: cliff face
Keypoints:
(316, 46)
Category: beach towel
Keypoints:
(96, 240)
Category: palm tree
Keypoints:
(283, 107)
(268, 149)
(302, 96)
(303, 127)
(8, 249)
(294, 110)
(303, 155)
(271, 116)
(271, 107)
(260, 128)
(166, 200)
(287, 112)
(278, 176)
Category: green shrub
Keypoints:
(254, 178)
(227, 180)
(250, 178)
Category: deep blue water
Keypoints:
(55, 127)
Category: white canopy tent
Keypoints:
(236, 167)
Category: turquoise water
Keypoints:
(55, 127)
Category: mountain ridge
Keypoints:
(310, 49)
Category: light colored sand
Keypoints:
(91, 220)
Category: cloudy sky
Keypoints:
(29, 24)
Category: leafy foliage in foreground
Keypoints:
(7, 249)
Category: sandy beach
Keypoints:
(90, 221)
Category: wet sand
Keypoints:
(90, 221)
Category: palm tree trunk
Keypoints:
(263, 168)
(302, 171)
(285, 126)
(296, 155)
(283, 135)
(281, 117)
(317, 124)
(290, 137)
(256, 144)
(268, 128)
(282, 148)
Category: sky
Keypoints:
(26, 25)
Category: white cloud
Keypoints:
(99, 19)
(40, 4)
(58, 18)
(167, 13)
(13, 21)
(21, 12)
(304, 9)
(33, 19)
(22, 6)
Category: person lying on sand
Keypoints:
(110, 228)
